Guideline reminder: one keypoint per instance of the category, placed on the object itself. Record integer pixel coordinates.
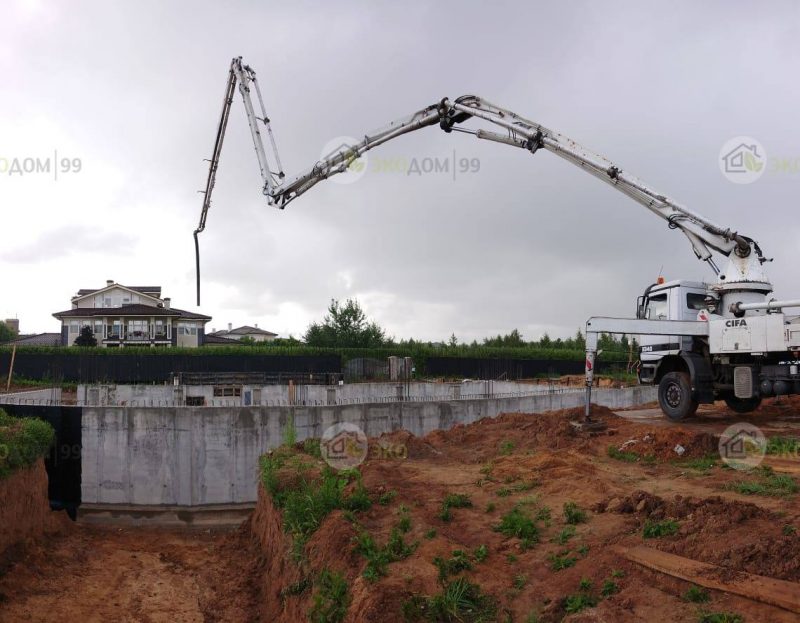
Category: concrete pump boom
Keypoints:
(744, 256)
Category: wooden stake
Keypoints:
(11, 367)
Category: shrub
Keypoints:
(574, 514)
(23, 441)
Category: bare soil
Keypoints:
(533, 462)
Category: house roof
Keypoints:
(38, 339)
(213, 339)
(152, 290)
(248, 330)
(129, 310)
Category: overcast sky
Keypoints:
(133, 90)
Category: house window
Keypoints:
(138, 330)
(107, 301)
(98, 329)
(186, 329)
(221, 391)
(113, 330)
(74, 326)
(160, 330)
(195, 401)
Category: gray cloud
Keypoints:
(527, 242)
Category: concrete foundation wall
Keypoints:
(49, 395)
(266, 395)
(191, 456)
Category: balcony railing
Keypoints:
(136, 336)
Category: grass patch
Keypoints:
(610, 587)
(460, 601)
(702, 464)
(491, 507)
(386, 498)
(517, 523)
(458, 562)
(23, 441)
(696, 595)
(788, 530)
(378, 558)
(783, 446)
(563, 537)
(520, 581)
(574, 514)
(720, 617)
(503, 492)
(506, 448)
(767, 483)
(658, 529)
(453, 500)
(578, 602)
(480, 553)
(561, 561)
(331, 599)
(430, 534)
(620, 455)
(306, 493)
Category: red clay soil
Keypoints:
(539, 462)
(24, 508)
(535, 463)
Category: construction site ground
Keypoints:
(695, 508)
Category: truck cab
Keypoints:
(667, 300)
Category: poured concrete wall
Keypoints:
(190, 456)
(266, 395)
(44, 396)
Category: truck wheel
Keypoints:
(675, 396)
(743, 405)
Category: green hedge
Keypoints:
(22, 442)
(419, 352)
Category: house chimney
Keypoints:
(230, 326)
(109, 282)
(256, 325)
(167, 302)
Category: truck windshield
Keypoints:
(657, 307)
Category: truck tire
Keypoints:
(675, 396)
(743, 405)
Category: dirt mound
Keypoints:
(404, 444)
(25, 509)
(667, 443)
(714, 512)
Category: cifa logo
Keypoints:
(742, 159)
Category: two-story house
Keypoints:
(122, 316)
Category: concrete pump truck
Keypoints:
(700, 342)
